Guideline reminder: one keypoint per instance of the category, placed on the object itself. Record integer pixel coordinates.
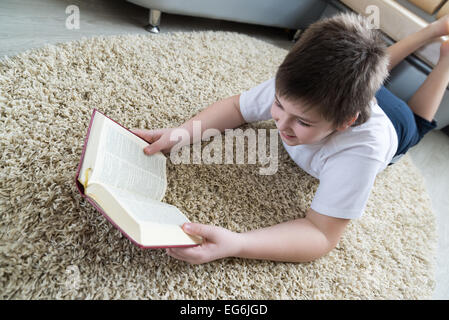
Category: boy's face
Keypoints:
(296, 127)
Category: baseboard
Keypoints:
(446, 130)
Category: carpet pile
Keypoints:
(55, 245)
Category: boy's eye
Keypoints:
(299, 121)
(303, 123)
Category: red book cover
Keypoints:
(90, 200)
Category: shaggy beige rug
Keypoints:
(56, 245)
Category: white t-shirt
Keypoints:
(346, 163)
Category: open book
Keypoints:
(127, 186)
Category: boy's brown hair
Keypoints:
(336, 67)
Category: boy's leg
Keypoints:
(413, 42)
(427, 98)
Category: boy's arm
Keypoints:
(299, 240)
(221, 115)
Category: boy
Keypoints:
(323, 103)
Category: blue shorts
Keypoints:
(409, 126)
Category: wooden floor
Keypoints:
(27, 24)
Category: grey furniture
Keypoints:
(292, 14)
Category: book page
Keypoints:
(121, 163)
(144, 209)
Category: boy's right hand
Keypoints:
(159, 139)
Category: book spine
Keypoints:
(78, 184)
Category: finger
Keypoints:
(199, 229)
(188, 253)
(173, 255)
(193, 255)
(166, 152)
(140, 132)
(154, 147)
(177, 255)
(148, 135)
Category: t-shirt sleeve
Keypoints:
(345, 186)
(255, 104)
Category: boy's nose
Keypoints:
(283, 125)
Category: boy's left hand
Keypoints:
(217, 243)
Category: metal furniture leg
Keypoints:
(154, 20)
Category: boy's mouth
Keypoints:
(286, 136)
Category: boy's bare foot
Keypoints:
(440, 27)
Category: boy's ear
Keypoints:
(348, 123)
